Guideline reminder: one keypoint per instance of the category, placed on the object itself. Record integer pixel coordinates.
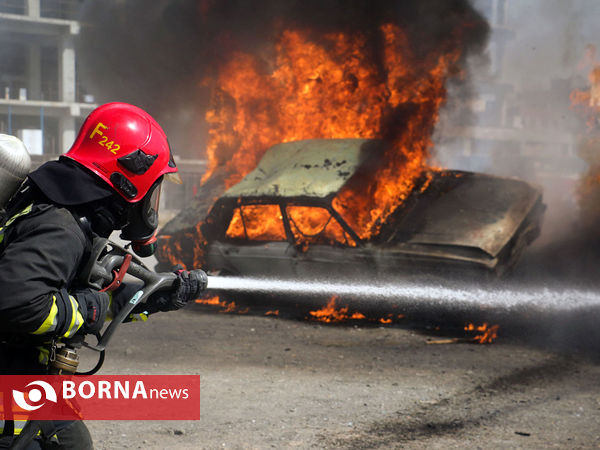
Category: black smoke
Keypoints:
(156, 54)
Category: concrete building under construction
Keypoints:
(41, 98)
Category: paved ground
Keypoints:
(275, 383)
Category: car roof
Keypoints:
(309, 168)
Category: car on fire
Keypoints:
(281, 220)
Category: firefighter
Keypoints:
(109, 180)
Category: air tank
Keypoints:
(15, 164)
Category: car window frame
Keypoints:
(332, 217)
(325, 204)
(240, 205)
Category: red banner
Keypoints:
(98, 397)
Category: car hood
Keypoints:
(463, 209)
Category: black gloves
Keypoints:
(122, 295)
(187, 287)
(94, 307)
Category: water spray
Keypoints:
(418, 297)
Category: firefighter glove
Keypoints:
(94, 307)
(187, 287)
(122, 295)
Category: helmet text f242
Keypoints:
(103, 140)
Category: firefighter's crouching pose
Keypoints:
(109, 180)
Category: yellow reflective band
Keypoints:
(138, 317)
(43, 356)
(27, 210)
(76, 318)
(19, 425)
(50, 322)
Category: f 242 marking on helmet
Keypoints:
(103, 140)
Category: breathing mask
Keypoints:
(143, 222)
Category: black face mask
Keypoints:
(142, 222)
(105, 215)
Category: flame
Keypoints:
(312, 224)
(227, 307)
(330, 88)
(212, 301)
(586, 103)
(309, 84)
(488, 333)
(257, 223)
(330, 314)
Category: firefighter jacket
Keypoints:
(41, 249)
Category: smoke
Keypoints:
(522, 123)
(158, 54)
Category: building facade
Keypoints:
(41, 98)
(43, 101)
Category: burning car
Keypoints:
(287, 218)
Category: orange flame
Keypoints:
(332, 85)
(227, 307)
(330, 314)
(488, 333)
(586, 103)
(331, 89)
(212, 301)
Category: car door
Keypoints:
(322, 248)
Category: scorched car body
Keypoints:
(461, 222)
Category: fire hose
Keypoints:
(107, 266)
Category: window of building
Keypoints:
(12, 6)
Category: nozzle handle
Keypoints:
(153, 282)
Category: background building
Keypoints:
(41, 98)
(511, 129)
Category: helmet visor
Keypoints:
(174, 177)
(143, 216)
(150, 208)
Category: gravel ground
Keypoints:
(274, 383)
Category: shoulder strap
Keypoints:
(20, 204)
(86, 227)
(20, 199)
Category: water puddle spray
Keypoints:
(419, 296)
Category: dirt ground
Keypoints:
(268, 382)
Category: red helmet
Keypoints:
(126, 147)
